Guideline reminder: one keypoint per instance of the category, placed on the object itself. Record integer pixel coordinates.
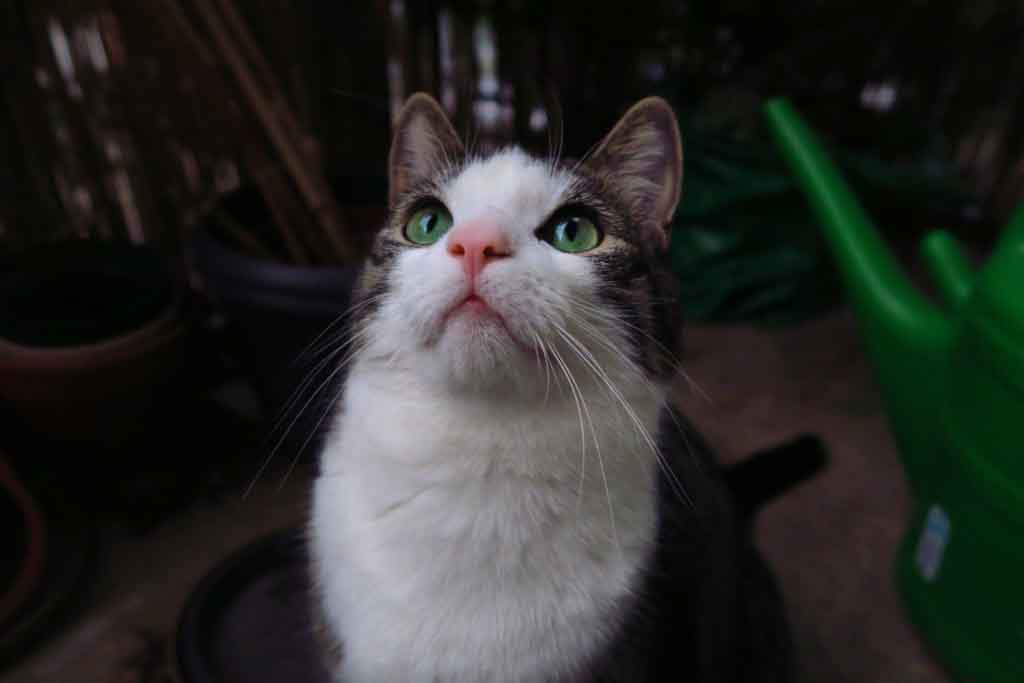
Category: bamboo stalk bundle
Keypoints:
(147, 107)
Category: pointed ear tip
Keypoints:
(656, 101)
(658, 108)
(421, 97)
(420, 102)
(657, 105)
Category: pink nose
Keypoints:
(476, 243)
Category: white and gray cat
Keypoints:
(505, 494)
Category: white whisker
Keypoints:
(597, 447)
(298, 392)
(353, 351)
(599, 372)
(674, 361)
(579, 412)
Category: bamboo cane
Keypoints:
(285, 213)
(301, 141)
(311, 187)
(245, 239)
(247, 43)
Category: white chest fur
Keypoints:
(456, 540)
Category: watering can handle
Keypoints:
(948, 266)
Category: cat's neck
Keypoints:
(413, 421)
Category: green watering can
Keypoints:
(952, 382)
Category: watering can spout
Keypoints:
(906, 337)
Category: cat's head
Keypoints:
(496, 272)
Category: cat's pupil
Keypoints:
(429, 222)
(571, 229)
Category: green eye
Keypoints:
(572, 235)
(428, 225)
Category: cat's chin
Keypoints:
(478, 352)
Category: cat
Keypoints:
(505, 493)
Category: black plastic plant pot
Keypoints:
(249, 620)
(275, 310)
(92, 339)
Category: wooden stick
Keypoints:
(216, 126)
(276, 193)
(204, 69)
(278, 99)
(247, 44)
(312, 187)
(181, 21)
(285, 204)
(244, 237)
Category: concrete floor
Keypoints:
(831, 541)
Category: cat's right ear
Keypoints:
(424, 144)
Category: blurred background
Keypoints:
(187, 188)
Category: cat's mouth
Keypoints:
(474, 305)
(476, 310)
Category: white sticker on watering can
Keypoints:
(934, 539)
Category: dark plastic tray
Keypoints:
(249, 620)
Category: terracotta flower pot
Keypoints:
(45, 562)
(21, 568)
(92, 336)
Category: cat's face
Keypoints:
(508, 273)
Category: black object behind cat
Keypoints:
(709, 610)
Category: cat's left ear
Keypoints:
(642, 160)
(423, 144)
